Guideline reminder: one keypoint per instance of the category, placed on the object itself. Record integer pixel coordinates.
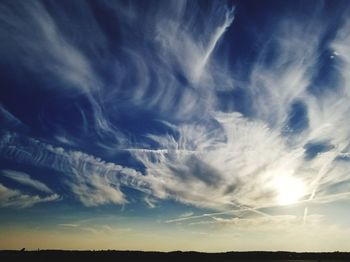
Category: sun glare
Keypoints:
(289, 189)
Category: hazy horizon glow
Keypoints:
(175, 125)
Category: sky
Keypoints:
(175, 125)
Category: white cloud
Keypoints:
(151, 202)
(15, 198)
(181, 43)
(235, 160)
(93, 181)
(186, 214)
(205, 168)
(277, 221)
(94, 189)
(25, 179)
(69, 225)
(31, 36)
(210, 159)
(177, 46)
(33, 25)
(6, 117)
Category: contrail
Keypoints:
(205, 215)
(160, 151)
(321, 173)
(254, 210)
(305, 215)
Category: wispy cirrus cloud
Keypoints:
(15, 198)
(93, 181)
(69, 225)
(47, 46)
(277, 221)
(32, 37)
(228, 153)
(8, 119)
(19, 199)
(171, 66)
(25, 179)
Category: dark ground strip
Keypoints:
(58, 255)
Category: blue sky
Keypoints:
(199, 125)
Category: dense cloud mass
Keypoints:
(173, 100)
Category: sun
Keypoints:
(289, 189)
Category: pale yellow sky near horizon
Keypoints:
(286, 233)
